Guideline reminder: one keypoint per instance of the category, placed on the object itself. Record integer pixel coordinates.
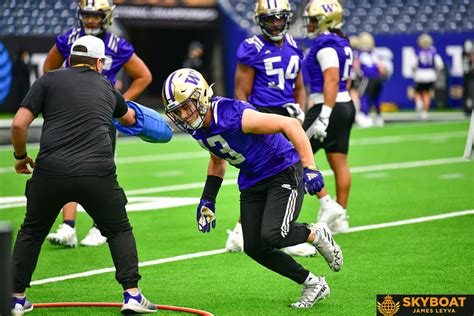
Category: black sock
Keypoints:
(69, 222)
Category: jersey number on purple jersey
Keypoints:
(234, 159)
(426, 59)
(348, 63)
(290, 73)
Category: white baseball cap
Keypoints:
(94, 45)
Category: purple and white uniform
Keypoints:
(116, 48)
(329, 50)
(257, 156)
(276, 69)
(369, 65)
(428, 63)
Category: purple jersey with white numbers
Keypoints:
(426, 57)
(276, 69)
(369, 64)
(257, 156)
(116, 48)
(344, 54)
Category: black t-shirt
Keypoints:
(77, 105)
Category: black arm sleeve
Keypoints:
(121, 107)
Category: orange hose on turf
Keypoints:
(104, 304)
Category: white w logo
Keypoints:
(327, 7)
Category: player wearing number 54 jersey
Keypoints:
(329, 122)
(268, 75)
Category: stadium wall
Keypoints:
(396, 50)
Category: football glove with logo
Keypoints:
(206, 215)
(312, 180)
(295, 111)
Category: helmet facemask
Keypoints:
(189, 108)
(274, 25)
(101, 10)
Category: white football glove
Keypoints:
(295, 111)
(320, 125)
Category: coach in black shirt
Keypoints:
(75, 163)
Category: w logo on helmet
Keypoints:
(192, 78)
(327, 7)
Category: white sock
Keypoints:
(134, 293)
(325, 200)
(311, 279)
(238, 228)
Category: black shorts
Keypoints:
(424, 86)
(339, 129)
(355, 83)
(273, 110)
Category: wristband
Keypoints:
(20, 157)
(211, 188)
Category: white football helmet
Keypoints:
(322, 15)
(102, 8)
(187, 98)
(273, 17)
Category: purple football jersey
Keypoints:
(369, 64)
(344, 54)
(257, 156)
(116, 48)
(276, 69)
(426, 57)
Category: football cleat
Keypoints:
(20, 305)
(301, 250)
(327, 246)
(331, 213)
(312, 293)
(137, 304)
(64, 236)
(93, 238)
(235, 241)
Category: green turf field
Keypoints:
(400, 172)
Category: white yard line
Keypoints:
(219, 251)
(6, 202)
(361, 169)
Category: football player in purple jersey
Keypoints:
(95, 16)
(274, 174)
(426, 68)
(268, 75)
(373, 73)
(329, 122)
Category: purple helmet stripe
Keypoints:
(169, 88)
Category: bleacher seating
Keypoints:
(36, 17)
(384, 16)
(49, 17)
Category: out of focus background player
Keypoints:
(329, 122)
(95, 17)
(427, 66)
